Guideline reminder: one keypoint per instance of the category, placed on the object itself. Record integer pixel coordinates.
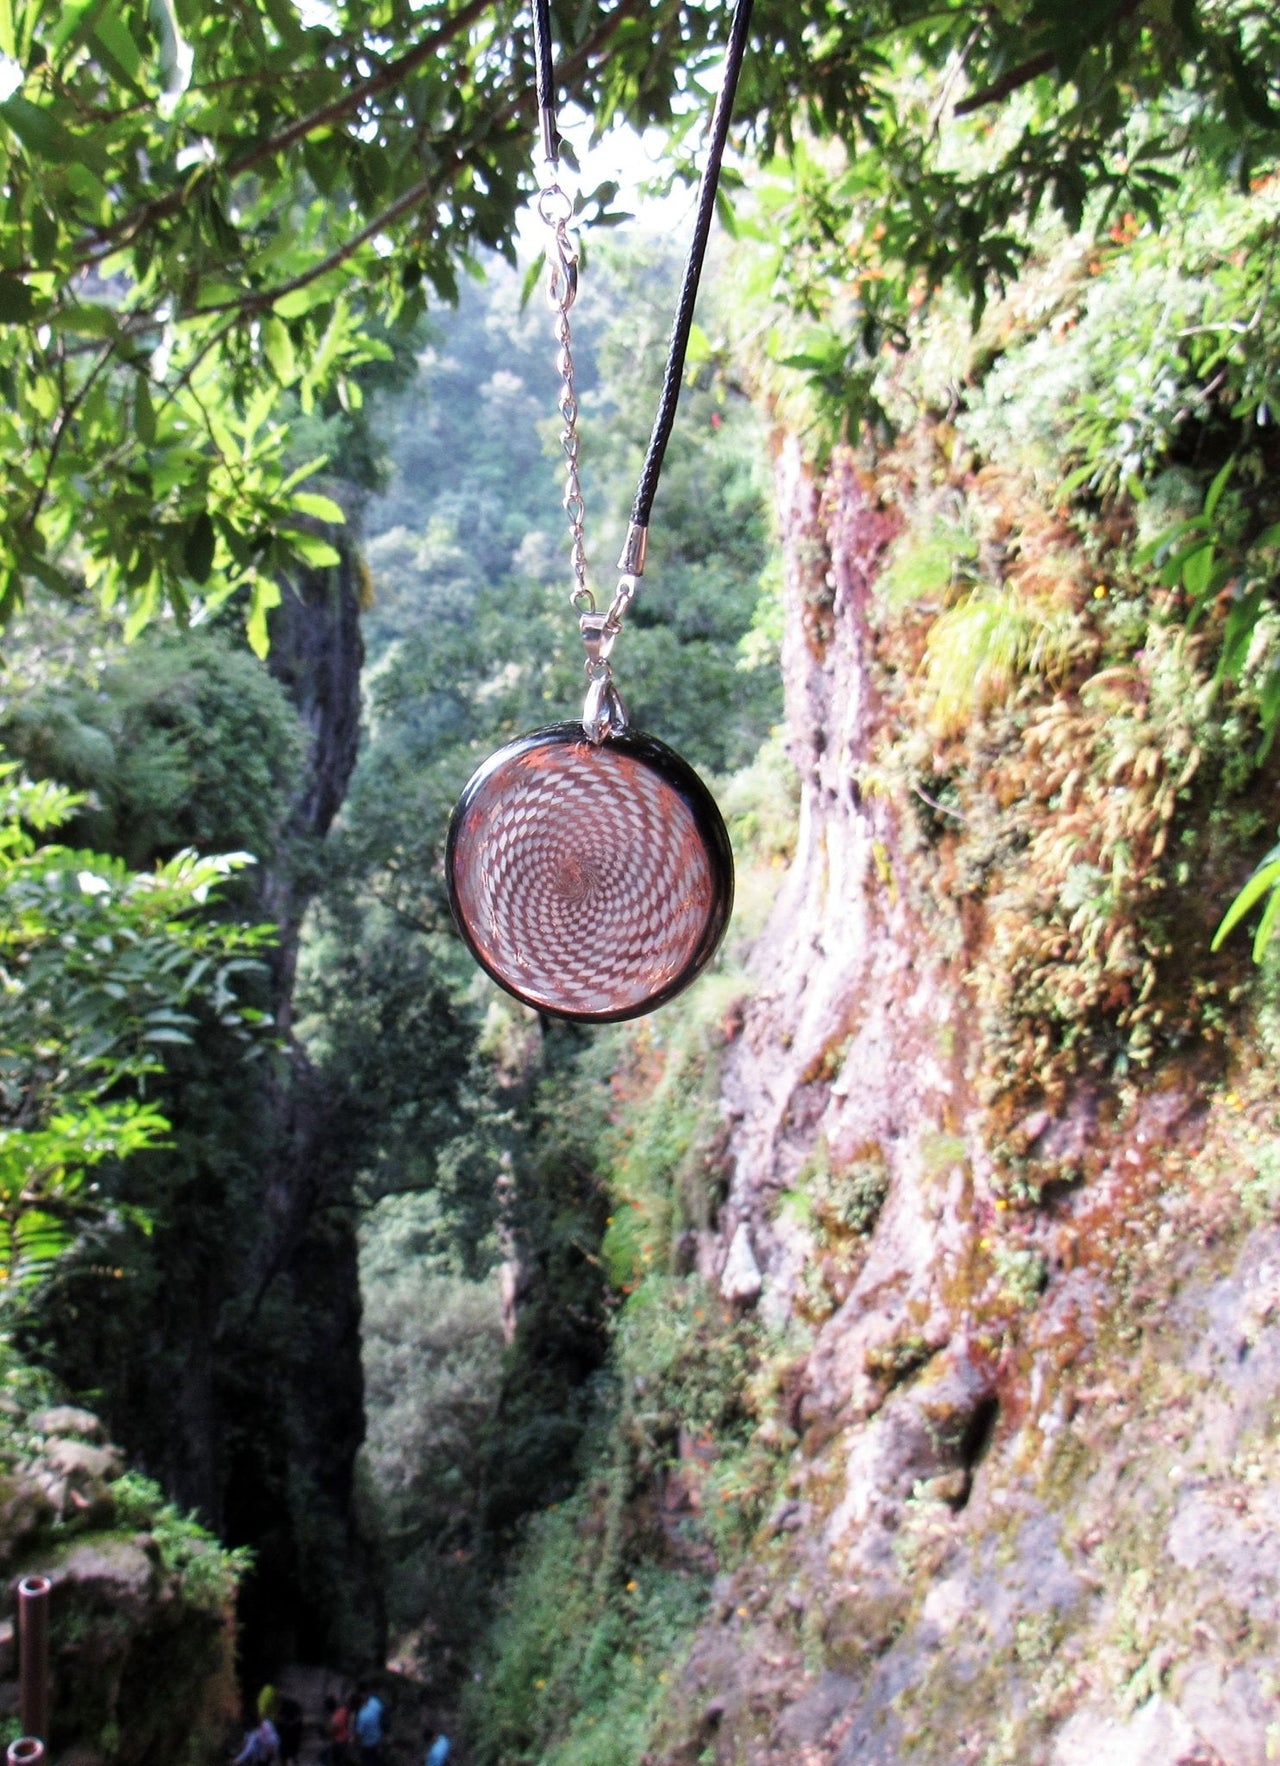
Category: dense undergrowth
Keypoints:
(1074, 634)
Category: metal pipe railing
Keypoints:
(33, 1661)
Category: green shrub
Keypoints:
(576, 1675)
(208, 1573)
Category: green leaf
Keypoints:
(1217, 487)
(1237, 636)
(725, 214)
(278, 348)
(699, 346)
(115, 44)
(85, 320)
(1266, 926)
(1197, 569)
(1267, 876)
(1149, 553)
(284, 16)
(304, 471)
(313, 294)
(266, 595)
(1072, 483)
(311, 548)
(70, 24)
(144, 412)
(323, 508)
(44, 234)
(198, 548)
(39, 131)
(17, 301)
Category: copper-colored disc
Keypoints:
(591, 881)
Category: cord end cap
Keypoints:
(631, 558)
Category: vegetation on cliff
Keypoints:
(768, 1332)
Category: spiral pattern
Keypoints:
(583, 878)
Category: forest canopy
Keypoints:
(218, 214)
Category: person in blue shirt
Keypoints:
(438, 1749)
(261, 1746)
(370, 1726)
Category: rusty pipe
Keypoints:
(28, 1750)
(33, 1658)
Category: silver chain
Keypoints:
(556, 209)
(603, 714)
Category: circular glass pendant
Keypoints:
(591, 880)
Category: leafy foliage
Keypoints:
(978, 649)
(574, 1678)
(173, 741)
(210, 208)
(207, 1573)
(102, 969)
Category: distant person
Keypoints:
(261, 1745)
(438, 1747)
(370, 1726)
(289, 1725)
(337, 1726)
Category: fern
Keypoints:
(978, 649)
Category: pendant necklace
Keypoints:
(588, 866)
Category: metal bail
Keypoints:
(598, 632)
(604, 714)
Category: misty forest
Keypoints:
(872, 1356)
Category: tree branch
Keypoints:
(65, 419)
(1031, 69)
(260, 300)
(125, 230)
(1017, 77)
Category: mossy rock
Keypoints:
(137, 1673)
(861, 1624)
(25, 1508)
(68, 1420)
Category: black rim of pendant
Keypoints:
(676, 773)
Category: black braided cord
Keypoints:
(673, 375)
(678, 344)
(543, 66)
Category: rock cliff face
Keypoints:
(1032, 1511)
